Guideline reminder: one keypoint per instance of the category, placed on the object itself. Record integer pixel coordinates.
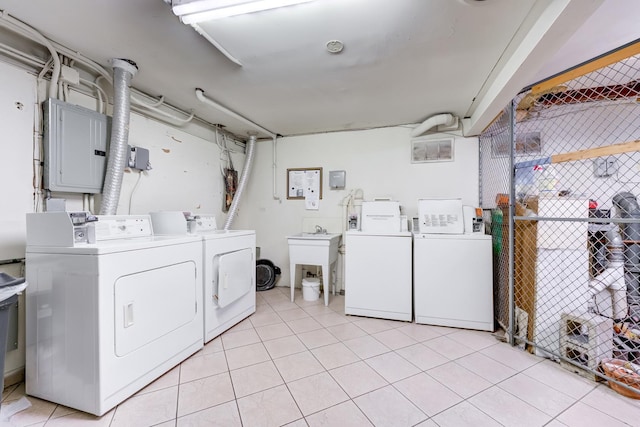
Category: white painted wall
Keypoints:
(17, 103)
(376, 161)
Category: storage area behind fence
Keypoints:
(560, 175)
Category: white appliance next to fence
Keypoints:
(453, 280)
(452, 270)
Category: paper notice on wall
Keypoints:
(311, 201)
(303, 182)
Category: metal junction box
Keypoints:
(75, 147)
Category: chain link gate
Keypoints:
(560, 176)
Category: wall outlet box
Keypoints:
(337, 179)
(139, 158)
(604, 167)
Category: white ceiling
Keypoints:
(403, 60)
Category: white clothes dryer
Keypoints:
(229, 285)
(229, 279)
(109, 307)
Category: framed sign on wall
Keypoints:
(304, 183)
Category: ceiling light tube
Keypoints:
(191, 13)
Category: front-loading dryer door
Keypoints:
(153, 303)
(233, 276)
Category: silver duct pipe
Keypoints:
(123, 71)
(246, 170)
(628, 207)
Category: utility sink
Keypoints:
(316, 236)
(314, 249)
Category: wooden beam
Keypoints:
(496, 118)
(590, 153)
(581, 70)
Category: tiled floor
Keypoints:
(304, 364)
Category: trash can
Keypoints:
(9, 288)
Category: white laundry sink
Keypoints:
(316, 236)
(314, 249)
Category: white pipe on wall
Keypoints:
(102, 95)
(246, 171)
(22, 56)
(153, 107)
(275, 170)
(208, 101)
(33, 34)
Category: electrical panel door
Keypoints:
(75, 147)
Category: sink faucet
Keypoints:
(320, 230)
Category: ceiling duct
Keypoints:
(446, 119)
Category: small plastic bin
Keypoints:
(7, 286)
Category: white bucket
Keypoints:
(310, 288)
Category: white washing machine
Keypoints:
(229, 286)
(109, 307)
(378, 264)
(378, 275)
(453, 280)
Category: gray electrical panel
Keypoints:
(75, 147)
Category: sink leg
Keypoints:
(326, 273)
(333, 275)
(292, 268)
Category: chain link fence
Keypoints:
(560, 176)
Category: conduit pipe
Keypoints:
(210, 102)
(246, 171)
(84, 60)
(612, 278)
(33, 34)
(22, 56)
(158, 103)
(166, 116)
(627, 206)
(102, 95)
(275, 169)
(250, 152)
(445, 119)
(123, 71)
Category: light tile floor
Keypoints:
(304, 364)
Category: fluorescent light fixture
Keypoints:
(207, 10)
